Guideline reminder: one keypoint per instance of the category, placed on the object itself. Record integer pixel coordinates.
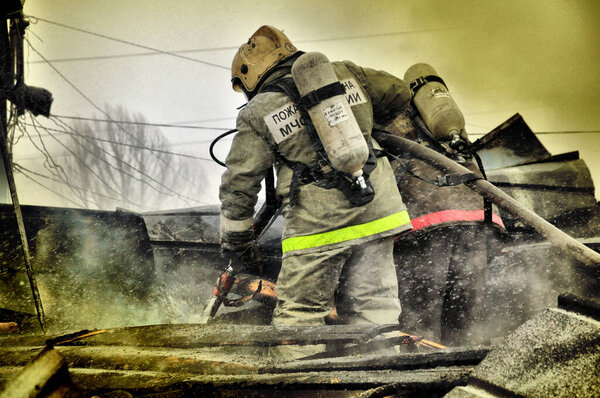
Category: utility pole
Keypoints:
(9, 58)
(3, 185)
(4, 65)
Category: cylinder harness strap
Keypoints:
(311, 99)
(487, 204)
(419, 82)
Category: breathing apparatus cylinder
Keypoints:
(331, 115)
(437, 108)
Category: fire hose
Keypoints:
(568, 245)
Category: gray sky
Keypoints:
(538, 58)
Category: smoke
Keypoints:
(98, 270)
(93, 272)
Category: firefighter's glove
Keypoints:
(244, 258)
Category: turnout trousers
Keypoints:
(443, 276)
(359, 280)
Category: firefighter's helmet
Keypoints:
(267, 47)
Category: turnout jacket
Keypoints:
(271, 129)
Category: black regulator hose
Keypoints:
(212, 145)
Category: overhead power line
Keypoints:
(92, 103)
(87, 167)
(477, 125)
(171, 144)
(568, 132)
(373, 35)
(142, 123)
(122, 143)
(557, 132)
(210, 49)
(18, 168)
(128, 42)
(99, 194)
(136, 169)
(130, 55)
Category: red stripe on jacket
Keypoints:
(445, 216)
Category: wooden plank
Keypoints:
(197, 335)
(200, 362)
(36, 376)
(192, 336)
(149, 369)
(93, 379)
(18, 356)
(447, 357)
(196, 361)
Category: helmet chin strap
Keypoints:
(249, 94)
(286, 63)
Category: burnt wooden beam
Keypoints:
(561, 240)
(197, 362)
(18, 356)
(140, 383)
(140, 359)
(197, 336)
(428, 360)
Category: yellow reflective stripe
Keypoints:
(347, 233)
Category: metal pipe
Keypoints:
(397, 145)
(17, 207)
(21, 227)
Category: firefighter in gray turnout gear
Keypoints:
(338, 232)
